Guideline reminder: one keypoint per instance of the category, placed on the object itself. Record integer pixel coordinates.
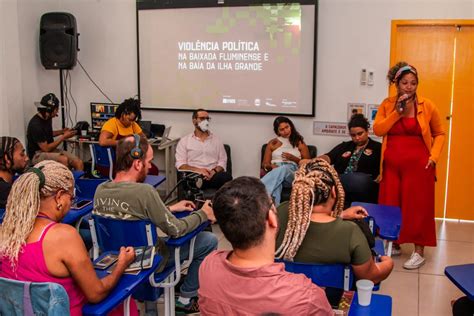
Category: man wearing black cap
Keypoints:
(42, 144)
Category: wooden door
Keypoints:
(430, 48)
(461, 165)
(443, 52)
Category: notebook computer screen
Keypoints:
(162, 139)
(146, 127)
(157, 130)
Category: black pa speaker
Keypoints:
(58, 40)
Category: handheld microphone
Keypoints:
(402, 105)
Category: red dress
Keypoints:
(407, 184)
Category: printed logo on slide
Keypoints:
(268, 102)
(228, 101)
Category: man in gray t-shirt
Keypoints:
(128, 198)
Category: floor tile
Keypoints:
(456, 231)
(403, 288)
(435, 295)
(445, 254)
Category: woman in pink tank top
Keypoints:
(36, 247)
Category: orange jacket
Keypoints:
(427, 116)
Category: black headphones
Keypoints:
(48, 103)
(136, 152)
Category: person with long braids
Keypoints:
(36, 247)
(413, 136)
(13, 159)
(282, 156)
(313, 230)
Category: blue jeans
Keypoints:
(205, 243)
(278, 178)
(359, 187)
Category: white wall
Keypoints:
(351, 34)
(11, 99)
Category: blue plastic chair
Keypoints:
(77, 174)
(32, 298)
(333, 275)
(110, 234)
(85, 188)
(103, 157)
(387, 221)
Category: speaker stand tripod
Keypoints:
(63, 115)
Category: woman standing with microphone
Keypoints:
(413, 137)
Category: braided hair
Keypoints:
(312, 186)
(45, 179)
(7, 147)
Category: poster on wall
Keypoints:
(330, 128)
(355, 108)
(372, 112)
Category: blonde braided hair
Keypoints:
(312, 186)
(24, 202)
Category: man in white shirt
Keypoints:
(203, 152)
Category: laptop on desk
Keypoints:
(146, 128)
(160, 140)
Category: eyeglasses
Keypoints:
(71, 194)
(204, 118)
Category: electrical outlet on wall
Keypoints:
(363, 76)
(370, 77)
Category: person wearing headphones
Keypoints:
(126, 197)
(43, 141)
(13, 159)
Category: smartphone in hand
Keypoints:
(80, 204)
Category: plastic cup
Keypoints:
(364, 291)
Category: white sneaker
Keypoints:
(414, 262)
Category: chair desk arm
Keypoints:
(180, 241)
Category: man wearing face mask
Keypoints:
(203, 152)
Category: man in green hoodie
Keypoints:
(128, 198)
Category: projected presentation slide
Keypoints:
(239, 59)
